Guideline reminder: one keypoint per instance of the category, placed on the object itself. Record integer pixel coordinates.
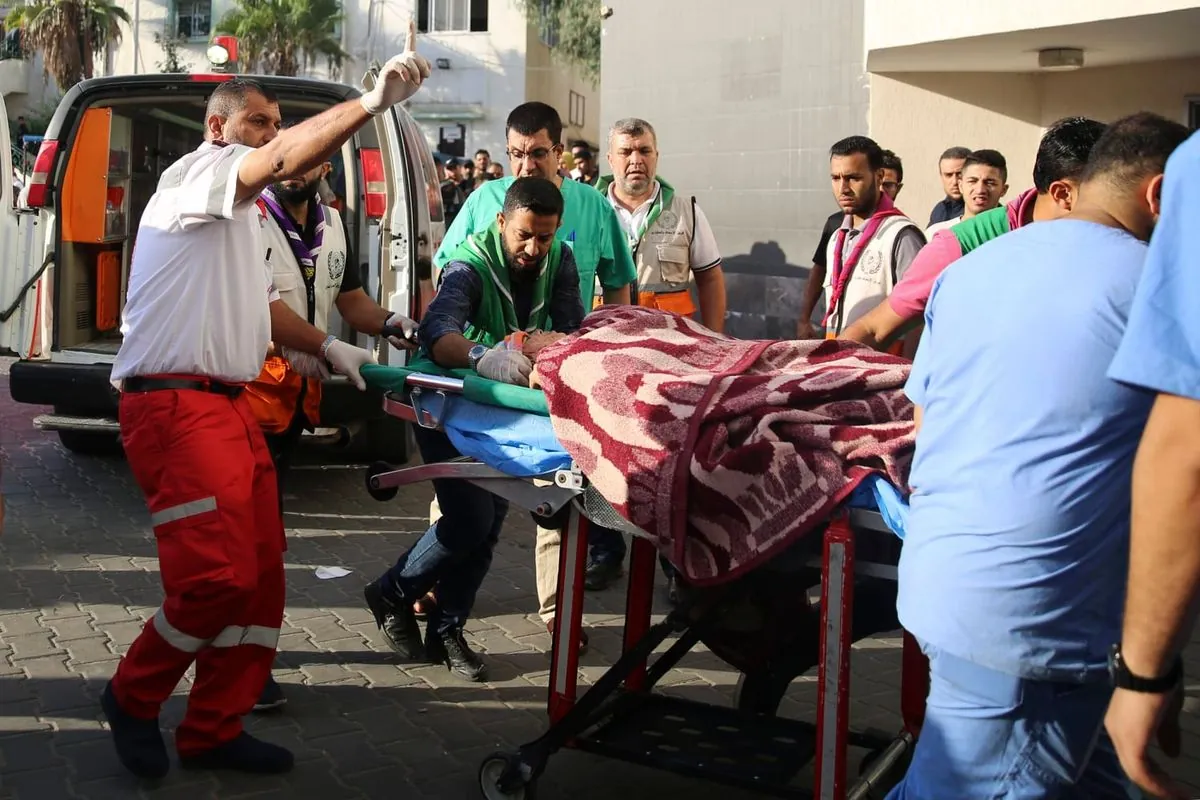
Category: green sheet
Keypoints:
(475, 388)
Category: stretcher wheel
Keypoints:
(382, 495)
(493, 768)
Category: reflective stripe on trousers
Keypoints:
(231, 636)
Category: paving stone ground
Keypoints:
(78, 578)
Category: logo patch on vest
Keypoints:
(668, 219)
(337, 266)
(871, 263)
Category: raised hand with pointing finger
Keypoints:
(400, 77)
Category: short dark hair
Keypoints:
(483, 152)
(529, 118)
(537, 195)
(852, 145)
(585, 154)
(954, 152)
(580, 143)
(1134, 148)
(988, 158)
(1064, 150)
(892, 161)
(230, 97)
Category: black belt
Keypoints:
(143, 384)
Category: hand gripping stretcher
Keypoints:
(620, 717)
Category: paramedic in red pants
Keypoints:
(197, 327)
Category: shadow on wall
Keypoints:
(764, 291)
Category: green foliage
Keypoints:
(68, 33)
(172, 62)
(278, 37)
(577, 23)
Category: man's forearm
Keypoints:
(289, 329)
(875, 327)
(710, 285)
(451, 351)
(300, 148)
(813, 287)
(612, 297)
(1164, 560)
(363, 313)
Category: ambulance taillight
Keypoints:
(376, 186)
(39, 181)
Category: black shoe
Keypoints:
(397, 622)
(244, 754)
(272, 696)
(450, 648)
(139, 742)
(601, 574)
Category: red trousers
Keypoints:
(203, 465)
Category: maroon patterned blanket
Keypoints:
(724, 451)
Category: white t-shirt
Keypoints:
(944, 225)
(199, 285)
(704, 252)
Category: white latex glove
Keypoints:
(409, 340)
(346, 359)
(400, 77)
(306, 364)
(506, 366)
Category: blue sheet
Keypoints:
(523, 445)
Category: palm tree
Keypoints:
(69, 34)
(281, 36)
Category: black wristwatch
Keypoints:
(1122, 678)
(474, 354)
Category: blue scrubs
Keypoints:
(1016, 549)
(1161, 349)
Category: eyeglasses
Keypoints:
(537, 154)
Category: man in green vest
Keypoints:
(591, 230)
(514, 276)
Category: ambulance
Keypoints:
(66, 243)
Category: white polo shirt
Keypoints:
(199, 286)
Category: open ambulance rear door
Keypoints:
(26, 260)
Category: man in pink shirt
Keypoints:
(1061, 157)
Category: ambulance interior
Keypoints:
(120, 150)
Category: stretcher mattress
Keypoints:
(509, 428)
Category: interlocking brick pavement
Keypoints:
(78, 579)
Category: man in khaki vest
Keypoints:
(670, 238)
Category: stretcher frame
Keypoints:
(580, 721)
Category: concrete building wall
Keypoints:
(918, 115)
(747, 101)
(550, 81)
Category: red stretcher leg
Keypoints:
(914, 685)
(833, 671)
(639, 602)
(568, 616)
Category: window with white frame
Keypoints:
(435, 16)
(191, 19)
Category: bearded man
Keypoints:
(501, 290)
(306, 252)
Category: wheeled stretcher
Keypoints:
(619, 716)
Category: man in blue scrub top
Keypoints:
(1161, 353)
(1013, 563)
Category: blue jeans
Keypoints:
(454, 555)
(993, 736)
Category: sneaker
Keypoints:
(450, 648)
(139, 742)
(397, 622)
(272, 696)
(243, 754)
